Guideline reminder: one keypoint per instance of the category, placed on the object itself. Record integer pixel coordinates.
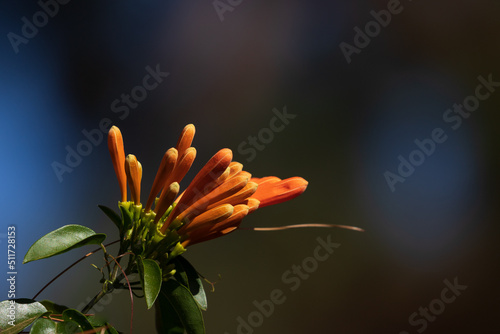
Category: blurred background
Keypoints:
(356, 103)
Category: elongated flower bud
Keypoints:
(164, 171)
(209, 218)
(213, 230)
(226, 189)
(183, 165)
(272, 190)
(133, 168)
(117, 152)
(239, 197)
(166, 199)
(235, 168)
(185, 139)
(210, 172)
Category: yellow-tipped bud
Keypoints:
(133, 168)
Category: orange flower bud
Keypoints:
(185, 139)
(164, 171)
(133, 169)
(272, 190)
(117, 152)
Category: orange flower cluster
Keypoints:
(213, 204)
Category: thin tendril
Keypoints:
(71, 266)
(280, 228)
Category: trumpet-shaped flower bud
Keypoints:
(272, 190)
(183, 165)
(225, 190)
(164, 171)
(133, 168)
(117, 152)
(209, 218)
(185, 139)
(166, 199)
(210, 172)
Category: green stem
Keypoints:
(94, 301)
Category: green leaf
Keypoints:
(188, 276)
(62, 240)
(115, 218)
(17, 314)
(99, 323)
(53, 307)
(44, 326)
(78, 318)
(151, 279)
(185, 307)
(67, 327)
(167, 319)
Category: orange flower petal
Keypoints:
(117, 152)
(133, 169)
(272, 192)
(185, 139)
(164, 171)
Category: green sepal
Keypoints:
(115, 218)
(177, 251)
(127, 216)
(25, 312)
(186, 312)
(187, 275)
(62, 240)
(151, 279)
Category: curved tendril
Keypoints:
(286, 227)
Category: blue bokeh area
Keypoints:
(352, 116)
(421, 212)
